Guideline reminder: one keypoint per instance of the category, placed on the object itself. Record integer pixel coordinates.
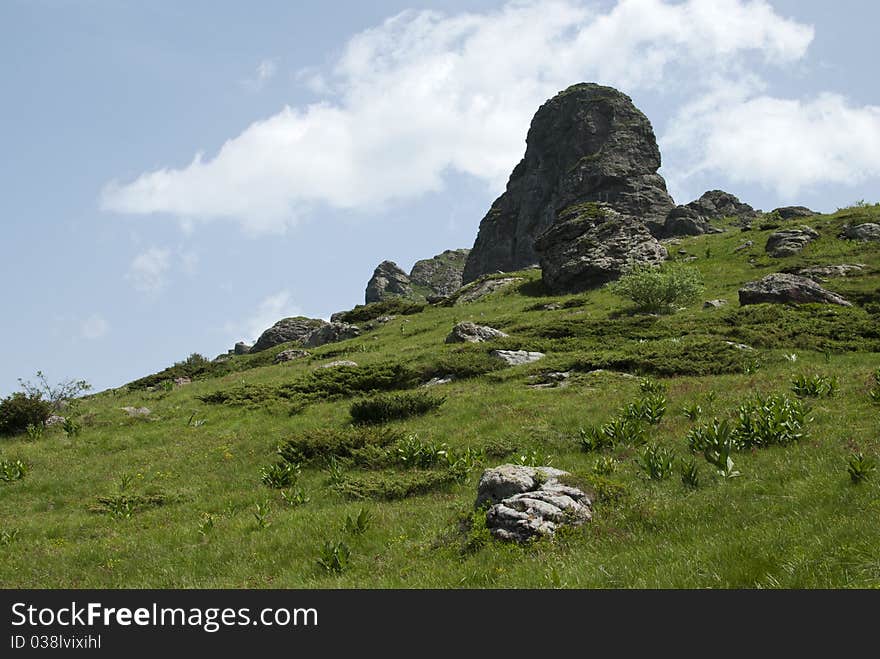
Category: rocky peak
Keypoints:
(388, 281)
(716, 204)
(588, 143)
(440, 275)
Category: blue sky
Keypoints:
(178, 176)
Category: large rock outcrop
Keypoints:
(439, 276)
(588, 143)
(782, 288)
(789, 242)
(716, 204)
(591, 245)
(685, 221)
(331, 333)
(388, 281)
(868, 232)
(471, 333)
(296, 329)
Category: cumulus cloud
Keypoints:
(94, 327)
(269, 311)
(148, 271)
(782, 144)
(425, 93)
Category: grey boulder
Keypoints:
(289, 355)
(525, 502)
(296, 329)
(439, 276)
(823, 272)
(685, 221)
(388, 281)
(517, 357)
(867, 231)
(331, 333)
(789, 242)
(790, 212)
(782, 288)
(472, 333)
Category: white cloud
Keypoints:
(94, 327)
(783, 144)
(265, 71)
(425, 93)
(148, 270)
(270, 310)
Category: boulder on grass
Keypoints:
(782, 288)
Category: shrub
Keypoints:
(391, 307)
(324, 443)
(462, 363)
(393, 485)
(622, 430)
(381, 409)
(650, 409)
(412, 452)
(359, 524)
(814, 386)
(194, 366)
(55, 395)
(21, 410)
(605, 465)
(690, 475)
(660, 289)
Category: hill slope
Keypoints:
(175, 499)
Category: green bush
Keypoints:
(660, 289)
(21, 410)
(326, 442)
(814, 386)
(771, 420)
(393, 485)
(389, 407)
(12, 470)
(657, 462)
(192, 367)
(463, 363)
(391, 307)
(280, 475)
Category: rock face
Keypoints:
(241, 348)
(289, 355)
(331, 333)
(388, 281)
(789, 212)
(781, 288)
(823, 272)
(440, 275)
(525, 502)
(588, 143)
(482, 288)
(715, 204)
(789, 241)
(592, 244)
(867, 231)
(685, 221)
(471, 333)
(297, 328)
(517, 357)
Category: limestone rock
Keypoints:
(137, 412)
(823, 272)
(182, 381)
(337, 363)
(714, 304)
(296, 329)
(289, 355)
(782, 288)
(685, 221)
(241, 348)
(439, 276)
(388, 281)
(472, 333)
(744, 246)
(867, 231)
(591, 245)
(525, 502)
(716, 204)
(54, 420)
(517, 357)
(483, 288)
(789, 212)
(588, 143)
(331, 333)
(789, 241)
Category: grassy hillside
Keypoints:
(175, 498)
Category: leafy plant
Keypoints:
(294, 497)
(35, 431)
(534, 458)
(874, 394)
(206, 524)
(261, 514)
(412, 452)
(693, 411)
(814, 386)
(71, 427)
(125, 481)
(12, 470)
(657, 461)
(8, 536)
(622, 430)
(335, 556)
(651, 387)
(771, 420)
(650, 409)
(690, 475)
(660, 289)
(280, 475)
(359, 524)
(193, 422)
(718, 442)
(860, 467)
(334, 470)
(605, 465)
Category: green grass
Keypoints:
(793, 518)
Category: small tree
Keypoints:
(21, 410)
(56, 396)
(660, 289)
